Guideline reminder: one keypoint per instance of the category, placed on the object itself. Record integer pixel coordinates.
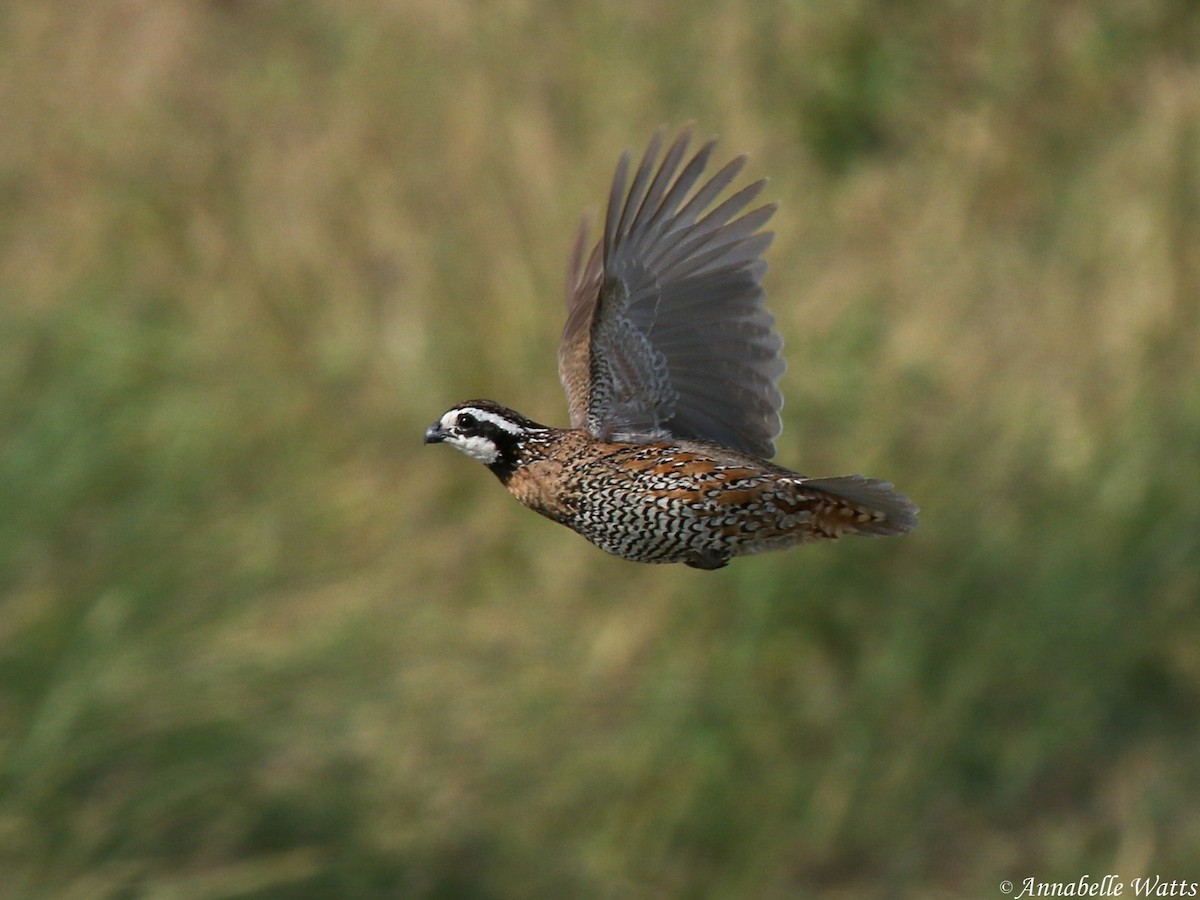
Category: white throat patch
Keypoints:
(477, 447)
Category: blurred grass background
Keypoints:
(256, 641)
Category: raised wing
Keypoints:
(667, 334)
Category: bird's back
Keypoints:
(694, 502)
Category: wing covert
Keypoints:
(667, 332)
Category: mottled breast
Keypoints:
(661, 503)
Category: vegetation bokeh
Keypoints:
(256, 641)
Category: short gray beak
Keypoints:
(436, 433)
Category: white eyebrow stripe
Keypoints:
(484, 415)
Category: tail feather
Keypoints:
(899, 514)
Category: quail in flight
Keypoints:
(670, 361)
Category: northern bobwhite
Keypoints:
(670, 362)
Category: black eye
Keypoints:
(466, 420)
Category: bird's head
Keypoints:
(488, 432)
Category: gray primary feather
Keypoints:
(667, 334)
